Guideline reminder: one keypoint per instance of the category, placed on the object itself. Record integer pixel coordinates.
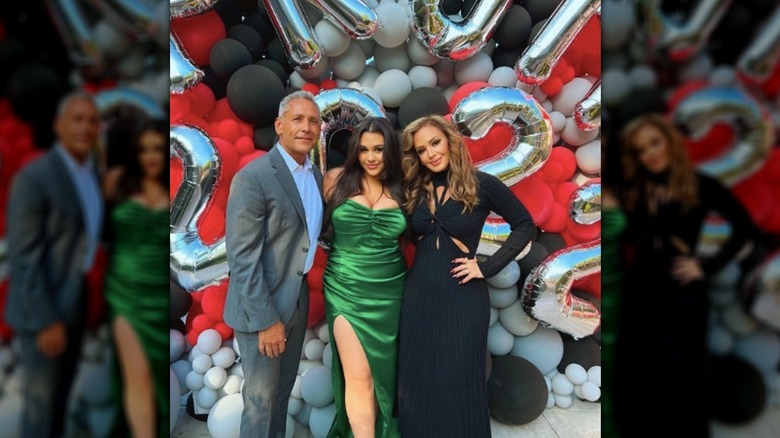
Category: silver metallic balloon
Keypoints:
(765, 281)
(75, 30)
(587, 112)
(763, 54)
(546, 294)
(194, 265)
(109, 99)
(700, 110)
(678, 39)
(355, 17)
(445, 38)
(190, 8)
(585, 203)
(537, 61)
(532, 131)
(133, 15)
(182, 71)
(341, 108)
(295, 33)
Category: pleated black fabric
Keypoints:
(442, 389)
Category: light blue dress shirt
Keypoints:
(85, 180)
(303, 175)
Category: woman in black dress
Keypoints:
(662, 357)
(445, 312)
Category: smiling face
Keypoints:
(432, 148)
(651, 148)
(151, 153)
(77, 128)
(371, 153)
(299, 128)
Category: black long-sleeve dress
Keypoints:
(442, 389)
(661, 361)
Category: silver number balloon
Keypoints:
(537, 61)
(680, 40)
(532, 135)
(183, 73)
(111, 98)
(763, 54)
(355, 17)
(585, 203)
(194, 265)
(445, 38)
(765, 281)
(341, 108)
(133, 15)
(547, 297)
(190, 8)
(700, 110)
(587, 112)
(75, 30)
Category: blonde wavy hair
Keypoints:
(462, 179)
(682, 185)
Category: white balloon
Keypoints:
(422, 76)
(449, 91)
(327, 355)
(313, 349)
(224, 357)
(419, 54)
(206, 397)
(516, 321)
(289, 431)
(209, 341)
(571, 93)
(388, 58)
(296, 390)
(563, 401)
(506, 277)
(333, 41)
(503, 77)
(316, 386)
(576, 373)
(350, 64)
(182, 368)
(313, 74)
(589, 157)
(367, 45)
(590, 391)
(547, 105)
(232, 384)
(643, 76)
(302, 417)
(393, 86)
(366, 79)
(92, 383)
(174, 393)
(476, 68)
(194, 380)
(373, 93)
(539, 94)
(294, 406)
(618, 89)
(502, 297)
(489, 47)
(91, 349)
(194, 352)
(558, 120)
(736, 320)
(393, 26)
(594, 375)
(727, 276)
(621, 18)
(320, 420)
(304, 365)
(493, 316)
(236, 370)
(110, 40)
(202, 363)
(224, 419)
(215, 378)
(131, 65)
(548, 382)
(499, 340)
(573, 136)
(543, 348)
(761, 348)
(561, 385)
(550, 400)
(720, 341)
(699, 67)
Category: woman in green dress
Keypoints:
(136, 284)
(364, 280)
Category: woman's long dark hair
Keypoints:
(350, 182)
(130, 181)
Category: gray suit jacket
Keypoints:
(267, 242)
(47, 242)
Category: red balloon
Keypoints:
(536, 196)
(202, 322)
(311, 88)
(493, 143)
(328, 84)
(192, 336)
(211, 226)
(202, 99)
(464, 90)
(96, 303)
(713, 144)
(581, 232)
(409, 250)
(684, 91)
(198, 35)
(563, 192)
(176, 176)
(556, 223)
(567, 159)
(214, 301)
(222, 111)
(246, 159)
(229, 130)
(314, 281)
(551, 86)
(244, 146)
(224, 330)
(754, 193)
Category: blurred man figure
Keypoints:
(54, 216)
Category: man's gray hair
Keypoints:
(300, 94)
(71, 97)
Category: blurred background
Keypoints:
(713, 68)
(116, 51)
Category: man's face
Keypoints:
(299, 128)
(78, 127)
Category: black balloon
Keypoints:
(179, 326)
(422, 102)
(229, 12)
(585, 352)
(535, 255)
(467, 6)
(250, 38)
(276, 52)
(517, 392)
(738, 392)
(338, 144)
(254, 93)
(450, 7)
(540, 9)
(274, 67)
(264, 137)
(247, 6)
(180, 301)
(642, 101)
(551, 241)
(211, 80)
(514, 29)
(227, 56)
(506, 57)
(732, 35)
(259, 21)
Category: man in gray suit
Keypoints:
(54, 220)
(274, 218)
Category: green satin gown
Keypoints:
(137, 288)
(364, 281)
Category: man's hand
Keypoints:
(52, 340)
(271, 341)
(686, 269)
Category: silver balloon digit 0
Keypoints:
(194, 265)
(537, 61)
(585, 203)
(547, 297)
(763, 54)
(587, 112)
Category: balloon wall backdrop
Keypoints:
(714, 68)
(520, 80)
